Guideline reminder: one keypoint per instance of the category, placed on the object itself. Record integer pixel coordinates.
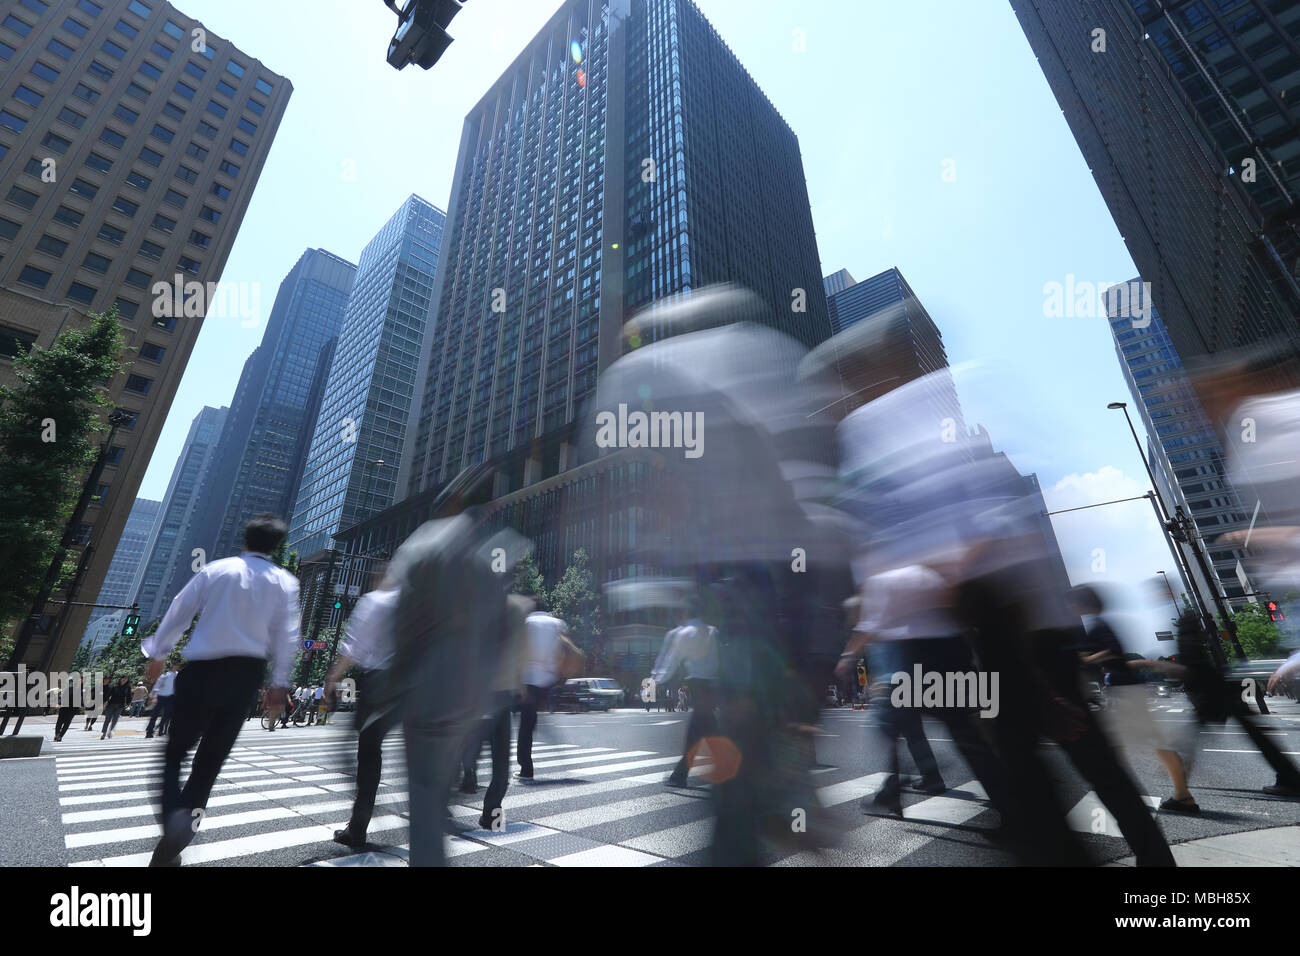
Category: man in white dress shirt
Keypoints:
(540, 672)
(248, 614)
(164, 690)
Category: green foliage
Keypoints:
(1258, 635)
(574, 600)
(319, 663)
(529, 580)
(286, 559)
(60, 388)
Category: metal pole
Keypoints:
(1172, 600)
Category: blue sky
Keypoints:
(885, 98)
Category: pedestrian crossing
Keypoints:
(280, 798)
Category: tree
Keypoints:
(286, 559)
(48, 422)
(575, 601)
(1258, 635)
(529, 580)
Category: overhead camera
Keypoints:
(421, 36)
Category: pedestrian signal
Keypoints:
(131, 625)
(1274, 614)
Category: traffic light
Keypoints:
(338, 604)
(1274, 614)
(421, 36)
(131, 625)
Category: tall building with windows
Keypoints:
(356, 445)
(623, 158)
(1182, 447)
(131, 140)
(127, 559)
(277, 402)
(1186, 112)
(169, 559)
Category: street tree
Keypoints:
(575, 600)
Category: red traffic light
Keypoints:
(1274, 614)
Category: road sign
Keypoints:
(130, 625)
(1164, 635)
(307, 645)
(354, 590)
(339, 589)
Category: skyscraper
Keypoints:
(356, 445)
(1183, 449)
(131, 139)
(1181, 110)
(169, 560)
(624, 157)
(277, 402)
(128, 557)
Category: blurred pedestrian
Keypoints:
(164, 689)
(138, 695)
(691, 649)
(541, 672)
(114, 704)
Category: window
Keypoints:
(9, 121)
(99, 71)
(52, 246)
(126, 207)
(138, 180)
(96, 263)
(21, 197)
(207, 129)
(185, 90)
(113, 50)
(73, 118)
(126, 29)
(14, 342)
(151, 250)
(173, 31)
(234, 69)
(247, 125)
(131, 418)
(21, 27)
(80, 292)
(197, 151)
(139, 9)
(46, 72)
(225, 89)
(229, 168)
(84, 189)
(149, 70)
(151, 156)
(189, 265)
(34, 277)
(82, 92)
(199, 239)
(239, 147)
(256, 107)
(90, 6)
(186, 174)
(207, 212)
(74, 27)
(162, 132)
(137, 278)
(126, 308)
(36, 6)
(95, 161)
(8, 228)
(69, 217)
(207, 52)
(136, 91)
(125, 113)
(138, 384)
(174, 198)
(166, 323)
(262, 86)
(110, 233)
(6, 51)
(28, 95)
(172, 111)
(114, 456)
(162, 50)
(163, 223)
(34, 167)
(112, 137)
(220, 191)
(59, 48)
(152, 353)
(196, 71)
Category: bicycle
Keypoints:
(297, 715)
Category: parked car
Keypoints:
(589, 693)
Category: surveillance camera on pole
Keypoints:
(421, 36)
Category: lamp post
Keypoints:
(1180, 527)
(1172, 599)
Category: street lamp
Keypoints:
(1172, 599)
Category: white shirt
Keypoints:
(369, 639)
(165, 685)
(542, 654)
(248, 607)
(693, 646)
(907, 603)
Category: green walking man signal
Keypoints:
(131, 625)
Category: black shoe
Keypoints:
(680, 783)
(883, 801)
(468, 785)
(928, 786)
(485, 823)
(1171, 805)
(524, 777)
(178, 831)
(346, 838)
(1282, 790)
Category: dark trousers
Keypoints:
(702, 723)
(532, 700)
(1287, 774)
(370, 744)
(495, 729)
(65, 720)
(211, 699)
(110, 718)
(162, 715)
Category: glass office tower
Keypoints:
(356, 445)
(128, 557)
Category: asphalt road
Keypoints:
(598, 799)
